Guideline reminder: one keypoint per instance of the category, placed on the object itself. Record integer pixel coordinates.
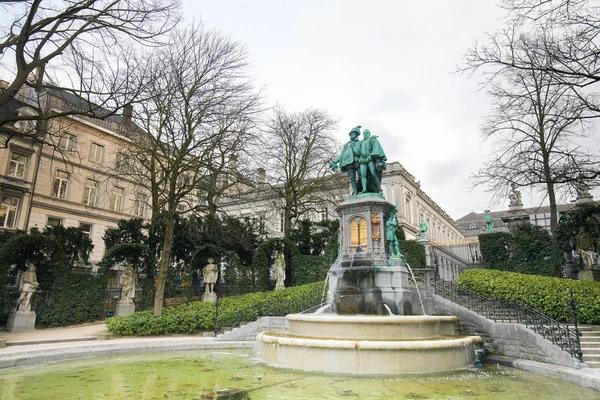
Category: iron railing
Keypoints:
(514, 312)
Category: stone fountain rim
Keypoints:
(432, 344)
(370, 319)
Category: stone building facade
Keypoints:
(398, 186)
(72, 180)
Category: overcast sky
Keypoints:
(386, 65)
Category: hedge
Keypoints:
(546, 294)
(232, 311)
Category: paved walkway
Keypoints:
(76, 331)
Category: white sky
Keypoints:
(385, 65)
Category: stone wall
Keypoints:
(506, 339)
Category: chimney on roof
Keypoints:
(127, 114)
(262, 176)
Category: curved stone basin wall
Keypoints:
(370, 327)
(367, 345)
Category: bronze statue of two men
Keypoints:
(363, 160)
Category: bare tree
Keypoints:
(536, 119)
(298, 148)
(82, 49)
(199, 113)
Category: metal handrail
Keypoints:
(514, 312)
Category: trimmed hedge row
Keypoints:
(546, 294)
(76, 297)
(234, 310)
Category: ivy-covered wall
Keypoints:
(64, 297)
(495, 250)
(528, 249)
(414, 253)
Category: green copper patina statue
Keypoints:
(372, 163)
(348, 159)
(423, 227)
(489, 222)
(364, 161)
(390, 234)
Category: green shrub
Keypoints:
(546, 294)
(232, 311)
(76, 298)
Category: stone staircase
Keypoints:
(590, 345)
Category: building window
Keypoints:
(116, 199)
(52, 221)
(96, 152)
(181, 207)
(8, 211)
(86, 229)
(408, 210)
(324, 214)
(67, 142)
(261, 224)
(60, 184)
(16, 167)
(90, 192)
(139, 207)
(281, 222)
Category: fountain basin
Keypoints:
(368, 345)
(370, 327)
(367, 357)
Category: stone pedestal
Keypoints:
(124, 309)
(212, 297)
(589, 275)
(424, 241)
(21, 321)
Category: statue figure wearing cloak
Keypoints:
(372, 163)
(348, 159)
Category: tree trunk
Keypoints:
(550, 187)
(553, 208)
(289, 271)
(163, 267)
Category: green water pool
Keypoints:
(235, 374)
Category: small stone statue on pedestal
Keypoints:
(489, 222)
(27, 285)
(22, 319)
(127, 282)
(585, 248)
(514, 197)
(390, 234)
(279, 267)
(423, 227)
(210, 273)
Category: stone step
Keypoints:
(582, 328)
(589, 339)
(590, 351)
(593, 364)
(587, 359)
(591, 333)
(590, 344)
